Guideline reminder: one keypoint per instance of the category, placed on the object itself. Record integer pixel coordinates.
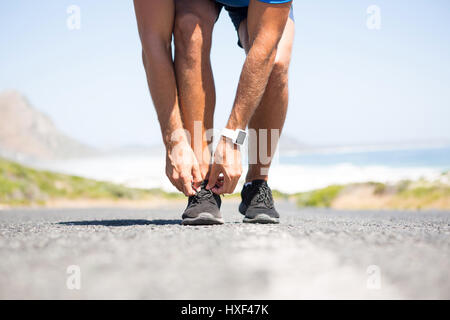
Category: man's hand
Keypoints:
(227, 161)
(182, 168)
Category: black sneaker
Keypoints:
(203, 208)
(257, 203)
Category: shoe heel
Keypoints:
(242, 208)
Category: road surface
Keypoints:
(146, 254)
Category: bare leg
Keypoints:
(194, 22)
(265, 23)
(155, 22)
(271, 112)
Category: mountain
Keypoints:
(27, 134)
(288, 144)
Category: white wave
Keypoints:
(132, 171)
(296, 178)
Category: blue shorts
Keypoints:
(238, 9)
(244, 3)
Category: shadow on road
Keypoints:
(121, 223)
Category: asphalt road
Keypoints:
(128, 253)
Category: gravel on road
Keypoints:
(146, 254)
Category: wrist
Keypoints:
(234, 125)
(172, 142)
(237, 119)
(236, 136)
(228, 143)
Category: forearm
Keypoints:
(265, 25)
(181, 165)
(162, 84)
(252, 83)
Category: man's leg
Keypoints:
(257, 202)
(194, 22)
(155, 21)
(271, 112)
(266, 23)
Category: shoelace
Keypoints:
(264, 195)
(203, 194)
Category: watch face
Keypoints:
(241, 137)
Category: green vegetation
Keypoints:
(319, 198)
(20, 185)
(379, 188)
(275, 193)
(420, 194)
(426, 195)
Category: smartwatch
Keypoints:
(237, 136)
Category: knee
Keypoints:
(154, 44)
(280, 71)
(192, 35)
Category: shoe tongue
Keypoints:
(202, 188)
(203, 191)
(203, 194)
(259, 187)
(204, 184)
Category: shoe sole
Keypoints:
(203, 219)
(263, 219)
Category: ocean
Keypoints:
(426, 157)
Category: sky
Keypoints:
(349, 84)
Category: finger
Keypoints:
(174, 180)
(187, 187)
(196, 173)
(222, 188)
(235, 181)
(218, 190)
(219, 183)
(233, 184)
(188, 190)
(215, 171)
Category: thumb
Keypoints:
(214, 174)
(197, 175)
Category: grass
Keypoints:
(319, 198)
(21, 185)
(420, 194)
(425, 195)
